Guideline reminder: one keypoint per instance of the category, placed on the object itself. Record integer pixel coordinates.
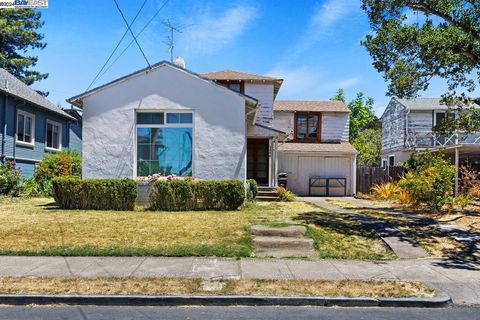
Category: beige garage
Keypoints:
(326, 169)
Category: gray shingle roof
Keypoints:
(424, 104)
(310, 105)
(293, 147)
(13, 86)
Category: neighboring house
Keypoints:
(31, 126)
(407, 126)
(219, 125)
(74, 135)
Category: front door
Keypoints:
(258, 160)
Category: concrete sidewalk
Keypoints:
(460, 280)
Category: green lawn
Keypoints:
(37, 227)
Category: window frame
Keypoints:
(392, 156)
(20, 142)
(60, 132)
(319, 127)
(164, 125)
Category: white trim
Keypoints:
(384, 163)
(32, 138)
(164, 125)
(60, 132)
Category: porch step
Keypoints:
(266, 189)
(267, 198)
(290, 232)
(282, 243)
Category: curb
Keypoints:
(441, 300)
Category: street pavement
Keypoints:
(237, 313)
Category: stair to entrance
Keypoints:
(267, 194)
(282, 242)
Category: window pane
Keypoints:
(56, 137)
(150, 118)
(312, 126)
(168, 152)
(20, 127)
(179, 118)
(49, 135)
(301, 126)
(28, 129)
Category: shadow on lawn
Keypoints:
(427, 230)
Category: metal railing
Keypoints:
(429, 139)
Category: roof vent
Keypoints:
(179, 61)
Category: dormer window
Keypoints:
(308, 126)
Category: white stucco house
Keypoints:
(218, 125)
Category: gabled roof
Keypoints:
(234, 75)
(77, 100)
(310, 105)
(299, 147)
(10, 85)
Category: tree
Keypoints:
(362, 115)
(369, 146)
(18, 33)
(446, 44)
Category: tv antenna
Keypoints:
(170, 41)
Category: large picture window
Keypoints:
(164, 145)
(308, 126)
(25, 128)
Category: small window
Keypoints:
(308, 126)
(384, 163)
(179, 118)
(25, 128)
(391, 161)
(150, 118)
(54, 134)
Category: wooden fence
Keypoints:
(367, 177)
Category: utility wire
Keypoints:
(116, 47)
(138, 34)
(131, 32)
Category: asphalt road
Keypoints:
(214, 313)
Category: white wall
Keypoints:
(264, 94)
(219, 143)
(335, 125)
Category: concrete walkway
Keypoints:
(461, 281)
(402, 246)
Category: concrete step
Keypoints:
(291, 231)
(267, 198)
(267, 192)
(286, 253)
(266, 243)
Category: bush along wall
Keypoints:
(95, 194)
(187, 194)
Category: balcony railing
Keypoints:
(429, 139)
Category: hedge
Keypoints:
(95, 194)
(187, 194)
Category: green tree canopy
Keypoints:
(362, 115)
(369, 146)
(18, 33)
(415, 40)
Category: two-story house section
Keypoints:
(317, 156)
(31, 126)
(262, 137)
(407, 126)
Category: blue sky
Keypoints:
(313, 45)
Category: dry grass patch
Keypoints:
(432, 240)
(37, 227)
(170, 286)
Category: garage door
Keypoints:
(301, 168)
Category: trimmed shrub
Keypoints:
(95, 194)
(10, 178)
(187, 194)
(252, 189)
(59, 164)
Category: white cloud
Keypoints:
(324, 18)
(207, 33)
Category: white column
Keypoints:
(276, 164)
(354, 175)
(456, 169)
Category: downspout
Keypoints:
(4, 123)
